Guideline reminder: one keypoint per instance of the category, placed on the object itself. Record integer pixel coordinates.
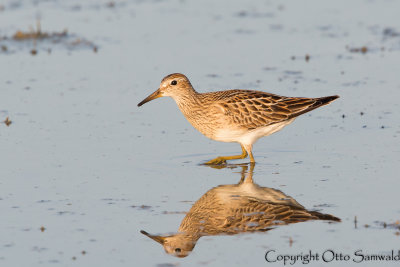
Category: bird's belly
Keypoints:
(229, 135)
(244, 136)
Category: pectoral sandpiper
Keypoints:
(234, 209)
(241, 116)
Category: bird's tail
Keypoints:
(326, 99)
(305, 105)
(322, 216)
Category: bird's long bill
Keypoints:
(154, 95)
(156, 238)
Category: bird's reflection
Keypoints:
(233, 209)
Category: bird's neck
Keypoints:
(187, 100)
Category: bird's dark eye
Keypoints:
(178, 250)
(174, 82)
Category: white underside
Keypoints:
(249, 137)
(229, 193)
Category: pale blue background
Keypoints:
(80, 153)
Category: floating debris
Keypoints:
(385, 225)
(43, 40)
(42, 229)
(307, 57)
(7, 122)
(381, 225)
(37, 34)
(362, 49)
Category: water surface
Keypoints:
(83, 169)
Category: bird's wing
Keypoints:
(253, 109)
(259, 216)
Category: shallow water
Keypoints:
(83, 169)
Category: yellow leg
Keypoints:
(251, 158)
(222, 160)
(249, 149)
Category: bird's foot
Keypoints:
(216, 161)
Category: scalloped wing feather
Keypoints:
(254, 109)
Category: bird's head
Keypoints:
(173, 85)
(179, 245)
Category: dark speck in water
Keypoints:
(292, 72)
(269, 68)
(244, 13)
(290, 241)
(44, 201)
(110, 4)
(165, 265)
(390, 32)
(325, 205)
(173, 212)
(143, 207)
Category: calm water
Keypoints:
(83, 169)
